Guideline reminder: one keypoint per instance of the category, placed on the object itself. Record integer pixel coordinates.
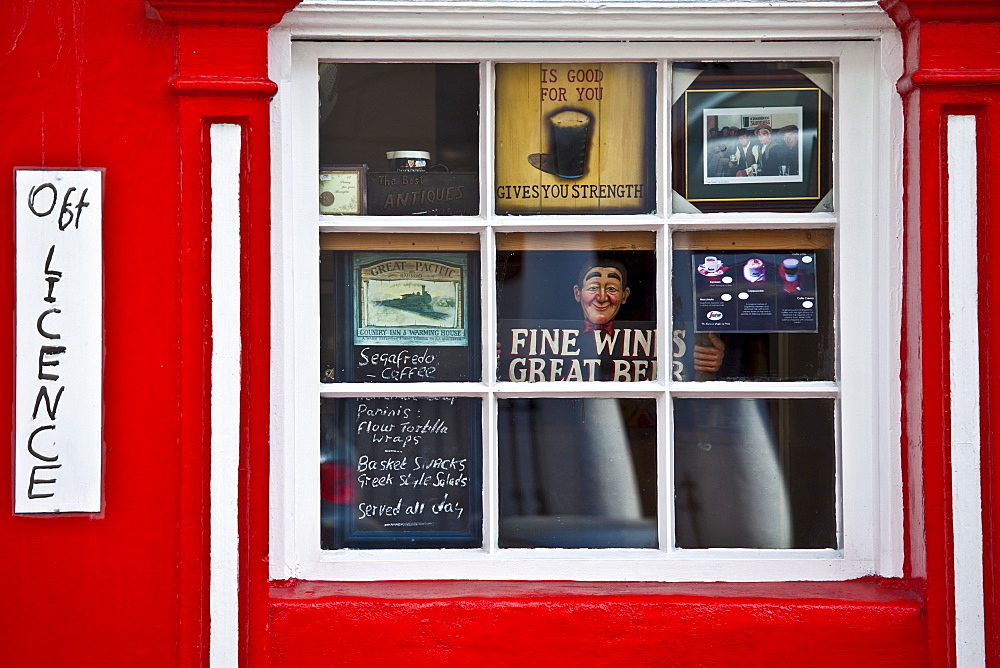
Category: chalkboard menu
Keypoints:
(399, 316)
(401, 473)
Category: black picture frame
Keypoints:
(744, 102)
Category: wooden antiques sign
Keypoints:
(57, 447)
(574, 138)
(430, 193)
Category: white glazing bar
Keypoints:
(963, 301)
(488, 254)
(226, 145)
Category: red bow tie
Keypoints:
(591, 327)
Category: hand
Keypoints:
(708, 359)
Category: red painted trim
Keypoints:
(262, 13)
(924, 78)
(223, 79)
(989, 243)
(872, 590)
(948, 71)
(872, 622)
(904, 11)
(256, 408)
(224, 86)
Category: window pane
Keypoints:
(753, 306)
(755, 473)
(575, 138)
(752, 136)
(569, 310)
(413, 128)
(577, 472)
(391, 315)
(401, 473)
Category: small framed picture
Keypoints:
(748, 144)
(342, 190)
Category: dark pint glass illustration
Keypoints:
(570, 132)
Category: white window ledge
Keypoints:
(619, 20)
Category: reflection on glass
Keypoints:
(576, 315)
(399, 316)
(414, 127)
(400, 473)
(753, 314)
(755, 473)
(577, 473)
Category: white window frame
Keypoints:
(867, 226)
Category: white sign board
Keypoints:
(58, 450)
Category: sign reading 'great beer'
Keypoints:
(57, 447)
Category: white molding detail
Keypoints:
(966, 480)
(609, 20)
(226, 146)
(868, 225)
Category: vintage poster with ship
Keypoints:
(411, 300)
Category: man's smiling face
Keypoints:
(601, 294)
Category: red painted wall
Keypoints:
(85, 84)
(88, 83)
(596, 624)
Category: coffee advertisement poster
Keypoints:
(755, 291)
(575, 138)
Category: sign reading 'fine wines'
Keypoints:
(58, 448)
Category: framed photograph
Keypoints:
(342, 190)
(744, 145)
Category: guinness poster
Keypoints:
(575, 138)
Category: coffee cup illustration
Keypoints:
(790, 271)
(754, 270)
(712, 266)
(569, 132)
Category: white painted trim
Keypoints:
(888, 228)
(226, 147)
(283, 413)
(963, 304)
(613, 20)
(867, 224)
